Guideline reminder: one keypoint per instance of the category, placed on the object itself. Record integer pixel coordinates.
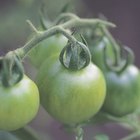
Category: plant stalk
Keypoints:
(26, 133)
(116, 47)
(132, 136)
(79, 133)
(41, 35)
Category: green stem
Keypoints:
(116, 47)
(21, 52)
(79, 133)
(80, 23)
(40, 36)
(64, 16)
(126, 119)
(26, 133)
(132, 121)
(33, 28)
(132, 136)
(103, 117)
(75, 21)
(129, 58)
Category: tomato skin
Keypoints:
(46, 48)
(18, 104)
(123, 92)
(96, 48)
(70, 96)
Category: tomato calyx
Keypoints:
(123, 55)
(11, 69)
(75, 56)
(126, 59)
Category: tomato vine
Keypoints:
(74, 63)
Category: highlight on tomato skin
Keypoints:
(19, 104)
(70, 97)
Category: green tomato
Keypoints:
(123, 92)
(18, 104)
(96, 48)
(70, 96)
(46, 48)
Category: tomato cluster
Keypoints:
(75, 96)
(123, 85)
(75, 82)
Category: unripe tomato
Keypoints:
(70, 96)
(96, 48)
(46, 48)
(18, 104)
(123, 92)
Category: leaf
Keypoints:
(101, 137)
(45, 21)
(83, 40)
(65, 8)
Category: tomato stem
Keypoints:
(131, 120)
(26, 133)
(132, 136)
(74, 21)
(116, 47)
(118, 67)
(64, 16)
(129, 59)
(79, 133)
(40, 36)
(45, 22)
(32, 26)
(103, 117)
(61, 28)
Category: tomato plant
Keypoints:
(72, 88)
(18, 104)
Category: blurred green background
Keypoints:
(14, 32)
